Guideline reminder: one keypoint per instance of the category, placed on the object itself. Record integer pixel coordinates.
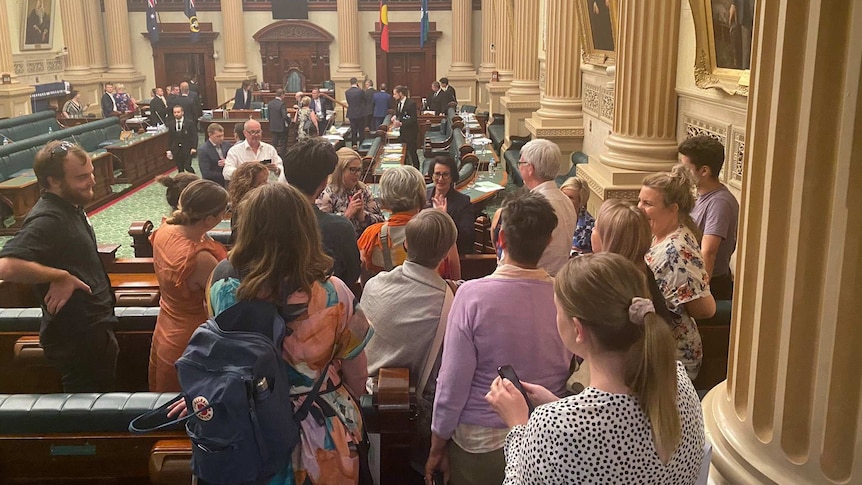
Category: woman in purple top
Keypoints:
(507, 318)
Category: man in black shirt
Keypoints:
(56, 251)
(307, 165)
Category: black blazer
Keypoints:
(277, 115)
(355, 102)
(407, 117)
(238, 100)
(445, 97)
(460, 209)
(107, 105)
(208, 159)
(159, 112)
(182, 142)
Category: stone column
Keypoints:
(235, 69)
(348, 48)
(522, 98)
(96, 38)
(75, 38)
(503, 43)
(462, 73)
(488, 63)
(644, 126)
(15, 97)
(118, 41)
(790, 409)
(560, 117)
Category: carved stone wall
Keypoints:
(698, 116)
(31, 69)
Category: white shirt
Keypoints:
(557, 252)
(243, 153)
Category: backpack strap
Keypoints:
(300, 414)
(438, 337)
(386, 250)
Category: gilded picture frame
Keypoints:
(599, 25)
(37, 24)
(723, 38)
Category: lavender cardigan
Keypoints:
(506, 318)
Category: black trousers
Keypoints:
(183, 161)
(409, 140)
(357, 130)
(721, 287)
(87, 362)
(279, 141)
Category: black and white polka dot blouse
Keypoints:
(602, 438)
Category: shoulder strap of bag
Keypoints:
(312, 395)
(434, 351)
(386, 250)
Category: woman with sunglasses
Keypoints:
(347, 196)
(444, 196)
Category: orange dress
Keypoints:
(181, 309)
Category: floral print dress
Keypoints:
(681, 276)
(582, 242)
(336, 202)
(331, 328)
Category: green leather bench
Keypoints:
(28, 126)
(497, 132)
(78, 438)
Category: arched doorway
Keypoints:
(294, 49)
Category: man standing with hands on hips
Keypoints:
(55, 250)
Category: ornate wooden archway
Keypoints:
(294, 44)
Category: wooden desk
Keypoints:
(19, 193)
(143, 157)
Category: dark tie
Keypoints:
(179, 125)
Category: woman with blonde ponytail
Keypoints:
(675, 259)
(183, 257)
(639, 421)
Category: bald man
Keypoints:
(252, 149)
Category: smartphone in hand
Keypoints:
(508, 372)
(267, 161)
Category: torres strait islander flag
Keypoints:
(194, 26)
(152, 21)
(384, 26)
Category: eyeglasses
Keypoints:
(253, 132)
(442, 176)
(355, 170)
(62, 149)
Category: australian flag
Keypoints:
(192, 14)
(423, 34)
(152, 21)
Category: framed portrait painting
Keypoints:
(723, 33)
(37, 24)
(598, 22)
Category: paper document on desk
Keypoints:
(342, 130)
(481, 140)
(485, 186)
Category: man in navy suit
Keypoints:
(109, 104)
(158, 108)
(406, 119)
(355, 111)
(446, 95)
(382, 100)
(183, 140)
(212, 153)
(321, 105)
(278, 121)
(242, 98)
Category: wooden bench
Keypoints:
(77, 437)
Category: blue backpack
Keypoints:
(235, 383)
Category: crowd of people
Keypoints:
(306, 231)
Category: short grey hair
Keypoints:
(544, 156)
(402, 189)
(430, 234)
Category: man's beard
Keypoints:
(75, 196)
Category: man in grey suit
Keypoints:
(277, 121)
(355, 97)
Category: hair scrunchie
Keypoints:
(639, 309)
